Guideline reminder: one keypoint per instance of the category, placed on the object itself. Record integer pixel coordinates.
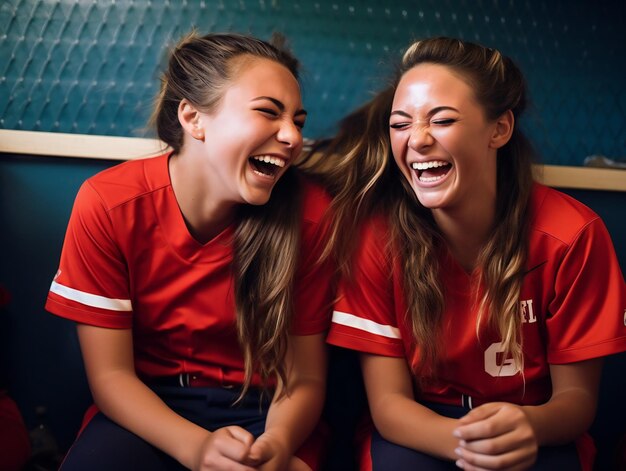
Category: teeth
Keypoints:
(427, 165)
(269, 159)
(430, 179)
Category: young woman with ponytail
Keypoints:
(481, 301)
(196, 277)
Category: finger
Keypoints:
(225, 463)
(233, 445)
(516, 439)
(480, 413)
(260, 452)
(490, 427)
(470, 467)
(518, 458)
(485, 429)
(242, 435)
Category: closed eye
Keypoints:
(444, 121)
(398, 125)
(267, 111)
(275, 114)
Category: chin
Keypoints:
(429, 202)
(258, 198)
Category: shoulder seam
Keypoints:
(126, 201)
(574, 237)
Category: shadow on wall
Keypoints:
(43, 363)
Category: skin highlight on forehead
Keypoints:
(238, 66)
(428, 85)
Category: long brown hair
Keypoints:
(366, 180)
(267, 237)
(353, 167)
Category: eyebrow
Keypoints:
(279, 104)
(430, 113)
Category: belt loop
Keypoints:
(223, 382)
(466, 401)
(183, 379)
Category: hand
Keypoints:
(267, 453)
(226, 448)
(496, 435)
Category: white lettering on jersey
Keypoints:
(528, 315)
(496, 365)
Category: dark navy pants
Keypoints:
(387, 456)
(104, 446)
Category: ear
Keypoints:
(503, 130)
(190, 119)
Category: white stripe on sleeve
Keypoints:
(367, 325)
(91, 299)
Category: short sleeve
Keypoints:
(315, 282)
(91, 285)
(587, 316)
(364, 314)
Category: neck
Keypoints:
(466, 231)
(206, 214)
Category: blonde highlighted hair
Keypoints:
(267, 238)
(366, 180)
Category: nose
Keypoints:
(420, 137)
(289, 134)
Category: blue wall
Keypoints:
(92, 67)
(39, 352)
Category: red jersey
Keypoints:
(573, 305)
(128, 261)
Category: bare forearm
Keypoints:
(564, 418)
(403, 421)
(129, 402)
(572, 407)
(291, 419)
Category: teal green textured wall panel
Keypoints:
(91, 67)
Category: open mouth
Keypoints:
(432, 171)
(266, 165)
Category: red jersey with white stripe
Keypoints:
(573, 301)
(128, 261)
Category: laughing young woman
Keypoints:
(482, 302)
(190, 277)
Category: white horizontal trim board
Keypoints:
(583, 178)
(55, 144)
(126, 148)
